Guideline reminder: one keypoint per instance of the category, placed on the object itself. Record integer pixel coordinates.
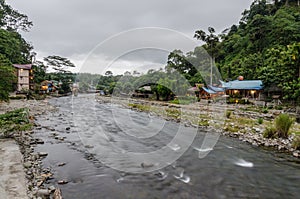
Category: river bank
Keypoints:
(44, 170)
(244, 122)
(25, 169)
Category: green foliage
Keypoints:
(265, 45)
(270, 132)
(14, 47)
(184, 100)
(203, 122)
(14, 121)
(141, 107)
(228, 114)
(260, 120)
(265, 110)
(175, 113)
(7, 78)
(296, 142)
(11, 19)
(283, 123)
(60, 64)
(39, 71)
(65, 79)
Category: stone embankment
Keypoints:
(26, 172)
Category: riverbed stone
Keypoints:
(296, 154)
(43, 192)
(52, 188)
(62, 182)
(27, 164)
(42, 154)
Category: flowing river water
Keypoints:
(232, 169)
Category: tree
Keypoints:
(127, 73)
(11, 19)
(60, 64)
(39, 71)
(211, 41)
(108, 73)
(136, 73)
(7, 78)
(14, 47)
(180, 63)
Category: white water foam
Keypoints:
(244, 163)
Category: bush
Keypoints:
(260, 120)
(270, 132)
(265, 110)
(279, 107)
(14, 121)
(296, 142)
(228, 114)
(283, 124)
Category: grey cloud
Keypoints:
(72, 27)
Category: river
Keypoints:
(232, 169)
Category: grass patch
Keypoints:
(228, 114)
(243, 121)
(283, 124)
(296, 142)
(281, 127)
(203, 122)
(260, 120)
(270, 132)
(141, 107)
(14, 121)
(173, 113)
(232, 129)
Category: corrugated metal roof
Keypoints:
(23, 66)
(243, 85)
(208, 90)
(216, 89)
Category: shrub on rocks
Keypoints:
(270, 132)
(260, 120)
(296, 142)
(283, 124)
(14, 121)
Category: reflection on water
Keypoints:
(231, 170)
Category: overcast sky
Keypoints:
(76, 28)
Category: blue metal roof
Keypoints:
(243, 85)
(216, 89)
(209, 90)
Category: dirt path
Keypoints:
(12, 176)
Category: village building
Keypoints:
(24, 75)
(243, 88)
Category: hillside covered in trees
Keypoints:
(264, 45)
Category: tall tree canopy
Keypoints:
(59, 64)
(13, 47)
(11, 19)
(7, 78)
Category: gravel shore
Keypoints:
(21, 174)
(241, 124)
